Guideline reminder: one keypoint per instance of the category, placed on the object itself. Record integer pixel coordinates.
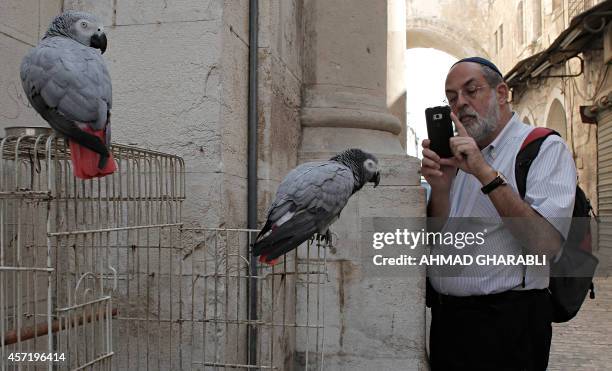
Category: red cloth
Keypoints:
(85, 161)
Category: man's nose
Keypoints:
(461, 101)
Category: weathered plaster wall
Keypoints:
(281, 44)
(22, 23)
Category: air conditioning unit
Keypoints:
(608, 44)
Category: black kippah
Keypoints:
(482, 61)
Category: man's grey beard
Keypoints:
(484, 125)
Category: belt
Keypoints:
(501, 297)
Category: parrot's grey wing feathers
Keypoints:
(283, 201)
(71, 78)
(302, 184)
(313, 194)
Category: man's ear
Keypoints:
(502, 93)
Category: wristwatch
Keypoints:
(499, 180)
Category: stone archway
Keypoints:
(436, 34)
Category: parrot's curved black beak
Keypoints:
(376, 179)
(98, 41)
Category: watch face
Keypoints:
(503, 177)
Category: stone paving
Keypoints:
(585, 342)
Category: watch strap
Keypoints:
(499, 180)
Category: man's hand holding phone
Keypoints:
(436, 170)
(438, 175)
(467, 155)
(440, 172)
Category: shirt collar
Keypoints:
(503, 136)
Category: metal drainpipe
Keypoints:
(252, 177)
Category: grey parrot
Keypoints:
(67, 82)
(310, 199)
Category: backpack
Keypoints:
(571, 275)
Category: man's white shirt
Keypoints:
(551, 185)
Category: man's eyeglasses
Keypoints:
(469, 92)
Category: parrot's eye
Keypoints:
(84, 24)
(370, 165)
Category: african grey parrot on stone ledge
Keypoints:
(67, 83)
(310, 199)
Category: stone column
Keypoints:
(396, 64)
(371, 322)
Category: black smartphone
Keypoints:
(439, 130)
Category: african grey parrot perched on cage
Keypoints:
(310, 199)
(66, 81)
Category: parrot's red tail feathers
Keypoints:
(85, 161)
(264, 259)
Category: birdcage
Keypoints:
(253, 316)
(102, 273)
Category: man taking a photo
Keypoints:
(495, 317)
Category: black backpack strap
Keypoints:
(528, 152)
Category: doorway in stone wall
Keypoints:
(556, 118)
